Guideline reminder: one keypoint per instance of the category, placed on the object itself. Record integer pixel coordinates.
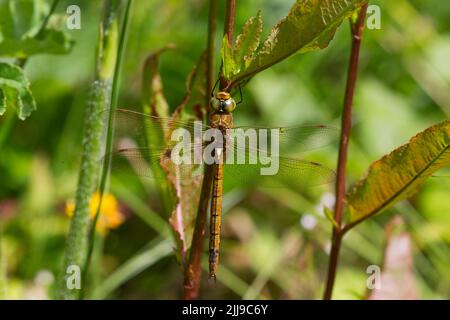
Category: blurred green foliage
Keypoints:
(403, 89)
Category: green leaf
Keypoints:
(229, 67)
(49, 42)
(20, 17)
(310, 25)
(15, 91)
(397, 175)
(247, 42)
(20, 34)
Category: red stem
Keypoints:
(229, 19)
(228, 29)
(193, 270)
(352, 75)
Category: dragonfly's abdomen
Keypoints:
(216, 215)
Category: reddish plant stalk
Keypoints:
(230, 13)
(228, 29)
(357, 29)
(193, 269)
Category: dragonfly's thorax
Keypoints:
(221, 120)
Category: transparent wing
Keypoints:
(276, 171)
(150, 131)
(142, 141)
(140, 161)
(138, 126)
(291, 139)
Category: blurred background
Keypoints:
(275, 242)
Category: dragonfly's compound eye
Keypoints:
(229, 105)
(215, 103)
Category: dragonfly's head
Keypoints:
(223, 102)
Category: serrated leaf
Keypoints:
(310, 25)
(15, 91)
(397, 175)
(247, 42)
(20, 25)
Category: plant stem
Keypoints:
(47, 18)
(112, 106)
(193, 270)
(230, 13)
(229, 19)
(357, 29)
(79, 243)
(210, 51)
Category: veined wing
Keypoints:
(141, 161)
(142, 141)
(291, 140)
(271, 170)
(150, 131)
(138, 126)
(277, 171)
(264, 155)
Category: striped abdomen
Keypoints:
(216, 215)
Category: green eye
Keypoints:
(215, 104)
(229, 105)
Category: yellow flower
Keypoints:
(110, 216)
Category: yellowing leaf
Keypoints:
(397, 175)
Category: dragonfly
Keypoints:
(187, 147)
